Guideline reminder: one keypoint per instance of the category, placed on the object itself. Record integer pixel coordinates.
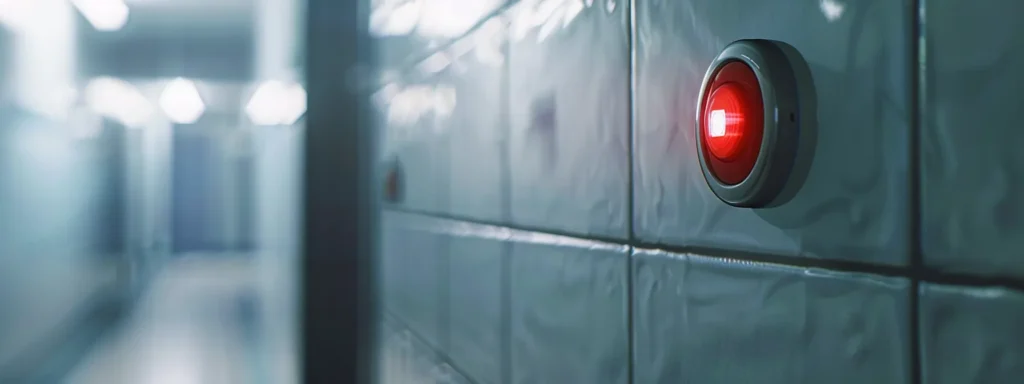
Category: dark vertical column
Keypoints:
(340, 209)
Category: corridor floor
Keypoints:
(201, 322)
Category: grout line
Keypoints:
(469, 220)
(916, 71)
(444, 295)
(506, 125)
(630, 203)
(505, 256)
(505, 320)
(921, 274)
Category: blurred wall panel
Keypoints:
(56, 253)
(276, 162)
(59, 233)
(146, 201)
(277, 166)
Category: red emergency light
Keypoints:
(747, 130)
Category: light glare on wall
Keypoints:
(427, 18)
(15, 13)
(181, 101)
(104, 15)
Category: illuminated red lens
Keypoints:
(732, 123)
(725, 124)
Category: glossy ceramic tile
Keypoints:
(404, 359)
(969, 139)
(412, 147)
(971, 335)
(405, 31)
(852, 202)
(569, 115)
(476, 307)
(476, 126)
(704, 320)
(391, 257)
(411, 268)
(568, 311)
(443, 124)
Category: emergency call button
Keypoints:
(747, 128)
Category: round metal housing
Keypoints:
(781, 130)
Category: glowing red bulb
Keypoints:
(732, 123)
(725, 125)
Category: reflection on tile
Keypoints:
(477, 132)
(405, 30)
(971, 155)
(971, 335)
(853, 202)
(410, 141)
(403, 359)
(569, 312)
(569, 115)
(705, 320)
(442, 121)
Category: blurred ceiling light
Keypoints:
(395, 20)
(118, 100)
(14, 14)
(104, 15)
(277, 103)
(181, 101)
